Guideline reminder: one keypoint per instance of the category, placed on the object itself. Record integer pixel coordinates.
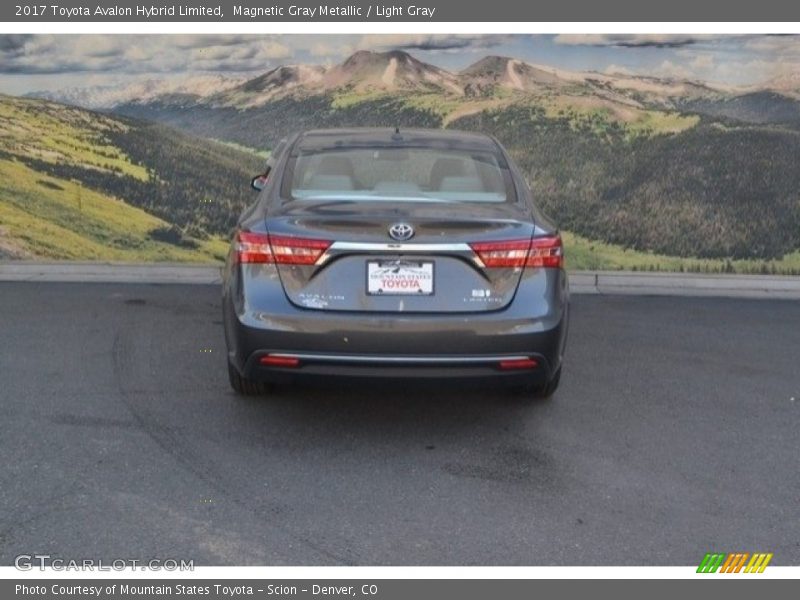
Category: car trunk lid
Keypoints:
(357, 266)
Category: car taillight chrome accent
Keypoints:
(263, 248)
(545, 251)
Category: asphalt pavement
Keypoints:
(675, 432)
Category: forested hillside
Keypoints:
(262, 127)
(710, 191)
(663, 182)
(79, 184)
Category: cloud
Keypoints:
(172, 54)
(427, 42)
(98, 47)
(328, 50)
(782, 45)
(624, 40)
(13, 44)
(761, 71)
(695, 66)
(136, 54)
(702, 63)
(672, 70)
(189, 42)
(617, 70)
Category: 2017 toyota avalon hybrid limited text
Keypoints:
(394, 253)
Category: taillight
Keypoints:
(537, 252)
(297, 251)
(263, 248)
(253, 248)
(502, 254)
(546, 252)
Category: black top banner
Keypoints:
(405, 11)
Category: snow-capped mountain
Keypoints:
(108, 96)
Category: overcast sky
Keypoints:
(50, 62)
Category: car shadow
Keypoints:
(380, 408)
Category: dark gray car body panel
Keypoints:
(449, 334)
(339, 283)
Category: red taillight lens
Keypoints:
(297, 251)
(546, 252)
(253, 248)
(538, 252)
(263, 248)
(271, 360)
(518, 363)
(502, 254)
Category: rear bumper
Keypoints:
(474, 368)
(467, 346)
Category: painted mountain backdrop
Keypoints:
(83, 185)
(646, 168)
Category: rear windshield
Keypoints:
(399, 174)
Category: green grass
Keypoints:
(347, 98)
(659, 122)
(263, 154)
(39, 220)
(44, 216)
(56, 133)
(599, 114)
(437, 104)
(583, 254)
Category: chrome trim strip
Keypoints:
(395, 247)
(399, 247)
(434, 360)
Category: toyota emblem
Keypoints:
(401, 232)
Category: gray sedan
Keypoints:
(389, 253)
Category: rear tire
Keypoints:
(244, 386)
(550, 387)
(541, 391)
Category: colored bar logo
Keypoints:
(735, 562)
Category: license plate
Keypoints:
(399, 277)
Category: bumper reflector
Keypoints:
(519, 363)
(279, 361)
